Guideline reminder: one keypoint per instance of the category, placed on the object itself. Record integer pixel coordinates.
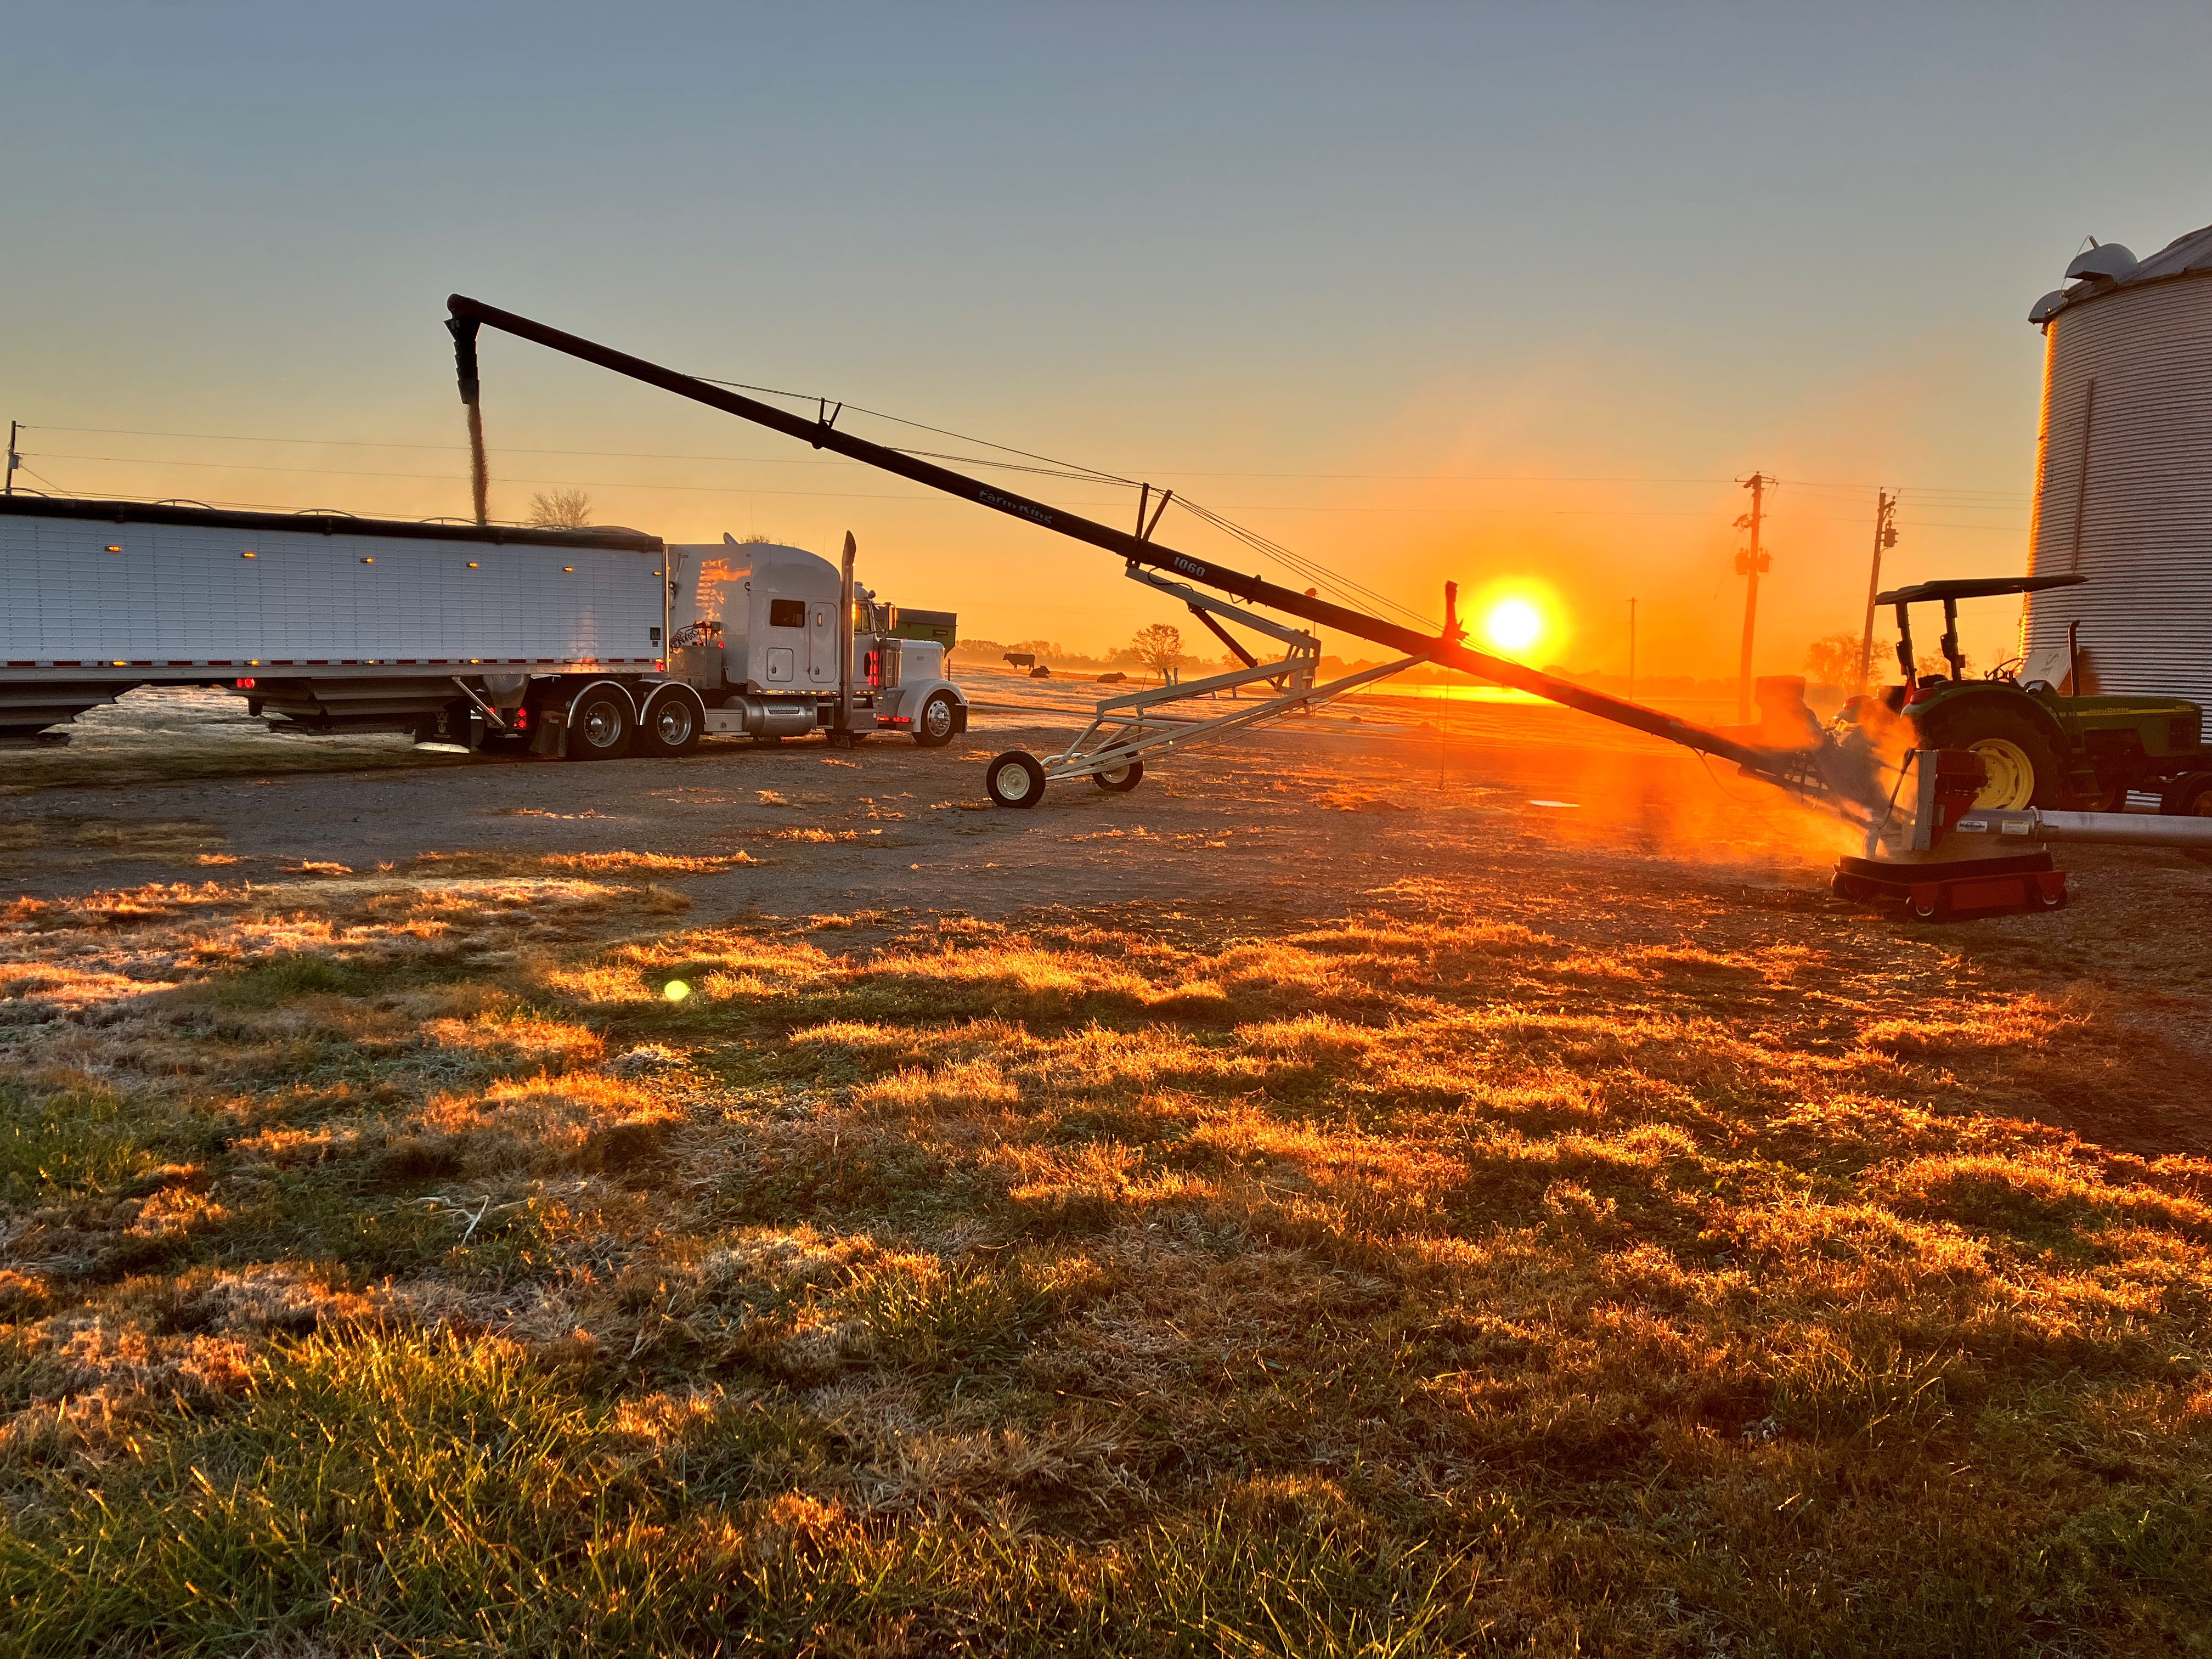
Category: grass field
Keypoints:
(396, 1267)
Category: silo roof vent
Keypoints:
(2108, 267)
(2110, 260)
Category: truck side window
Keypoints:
(786, 613)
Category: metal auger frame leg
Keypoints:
(1123, 735)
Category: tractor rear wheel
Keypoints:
(2023, 768)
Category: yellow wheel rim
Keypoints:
(2011, 779)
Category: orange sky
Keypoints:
(1485, 295)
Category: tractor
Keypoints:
(2039, 747)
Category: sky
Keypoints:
(1504, 294)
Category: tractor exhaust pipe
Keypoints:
(844, 727)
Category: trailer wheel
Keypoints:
(1931, 909)
(1121, 779)
(1015, 779)
(600, 724)
(932, 727)
(674, 721)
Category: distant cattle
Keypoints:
(1114, 678)
(1040, 673)
(1022, 659)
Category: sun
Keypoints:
(1513, 625)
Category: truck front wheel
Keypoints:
(933, 727)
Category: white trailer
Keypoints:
(464, 635)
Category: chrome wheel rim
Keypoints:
(671, 722)
(602, 727)
(937, 718)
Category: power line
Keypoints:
(865, 496)
(1072, 470)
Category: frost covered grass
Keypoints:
(391, 1266)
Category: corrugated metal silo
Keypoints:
(2124, 473)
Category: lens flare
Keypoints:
(676, 990)
(1513, 625)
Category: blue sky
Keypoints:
(1522, 260)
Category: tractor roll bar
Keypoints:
(1783, 766)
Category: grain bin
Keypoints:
(2124, 474)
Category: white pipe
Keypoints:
(2033, 824)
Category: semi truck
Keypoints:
(562, 643)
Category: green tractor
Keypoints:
(2039, 748)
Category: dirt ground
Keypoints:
(1559, 820)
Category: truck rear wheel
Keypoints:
(674, 721)
(600, 724)
(2023, 768)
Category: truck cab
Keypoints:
(758, 636)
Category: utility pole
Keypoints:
(1885, 536)
(1632, 650)
(14, 460)
(1749, 562)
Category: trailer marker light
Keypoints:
(569, 570)
(246, 684)
(474, 565)
(114, 549)
(249, 554)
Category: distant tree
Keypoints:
(1833, 661)
(757, 539)
(560, 510)
(1159, 648)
